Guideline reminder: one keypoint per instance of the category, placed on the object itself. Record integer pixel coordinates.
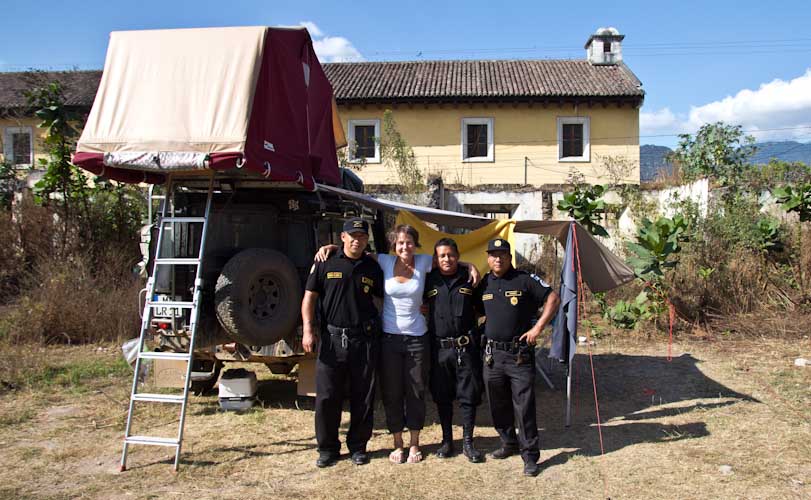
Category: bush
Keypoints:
(75, 300)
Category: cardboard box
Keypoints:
(168, 372)
(306, 377)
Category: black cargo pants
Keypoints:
(353, 359)
(511, 393)
(451, 380)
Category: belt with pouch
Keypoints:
(453, 342)
(510, 346)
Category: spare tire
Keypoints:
(258, 297)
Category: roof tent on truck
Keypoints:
(235, 100)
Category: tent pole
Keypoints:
(569, 394)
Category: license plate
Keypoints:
(165, 312)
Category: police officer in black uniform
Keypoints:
(349, 285)
(510, 299)
(455, 359)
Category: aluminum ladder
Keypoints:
(168, 218)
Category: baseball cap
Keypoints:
(356, 225)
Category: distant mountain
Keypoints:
(652, 161)
(652, 158)
(784, 150)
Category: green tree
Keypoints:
(8, 183)
(584, 206)
(657, 246)
(92, 215)
(718, 151)
(398, 155)
(63, 184)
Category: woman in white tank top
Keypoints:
(405, 351)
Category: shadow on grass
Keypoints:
(632, 391)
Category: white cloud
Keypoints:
(331, 48)
(336, 49)
(658, 122)
(312, 28)
(778, 104)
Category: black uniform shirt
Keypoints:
(450, 303)
(346, 287)
(510, 303)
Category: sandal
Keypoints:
(397, 456)
(414, 457)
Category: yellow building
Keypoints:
(498, 121)
(475, 122)
(21, 139)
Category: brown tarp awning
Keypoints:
(601, 269)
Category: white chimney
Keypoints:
(604, 47)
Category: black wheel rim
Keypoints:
(264, 297)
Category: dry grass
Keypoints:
(669, 427)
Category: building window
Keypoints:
(477, 139)
(492, 211)
(573, 138)
(606, 46)
(18, 145)
(364, 140)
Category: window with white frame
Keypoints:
(573, 138)
(477, 139)
(364, 140)
(18, 146)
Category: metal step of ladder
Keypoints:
(166, 220)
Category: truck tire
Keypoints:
(258, 297)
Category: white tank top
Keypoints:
(402, 301)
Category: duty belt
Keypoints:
(453, 342)
(510, 346)
(345, 333)
(523, 351)
(350, 331)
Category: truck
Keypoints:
(241, 120)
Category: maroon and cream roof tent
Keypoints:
(243, 99)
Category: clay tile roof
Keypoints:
(79, 87)
(481, 80)
(474, 80)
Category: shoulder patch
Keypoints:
(466, 291)
(432, 293)
(487, 296)
(539, 280)
(335, 275)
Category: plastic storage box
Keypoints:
(237, 389)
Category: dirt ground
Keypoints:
(723, 419)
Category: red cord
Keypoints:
(582, 312)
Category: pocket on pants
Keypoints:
(331, 351)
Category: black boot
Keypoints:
(470, 451)
(446, 421)
(445, 450)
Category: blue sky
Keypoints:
(741, 62)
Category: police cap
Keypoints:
(497, 245)
(356, 225)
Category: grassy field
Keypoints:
(724, 419)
